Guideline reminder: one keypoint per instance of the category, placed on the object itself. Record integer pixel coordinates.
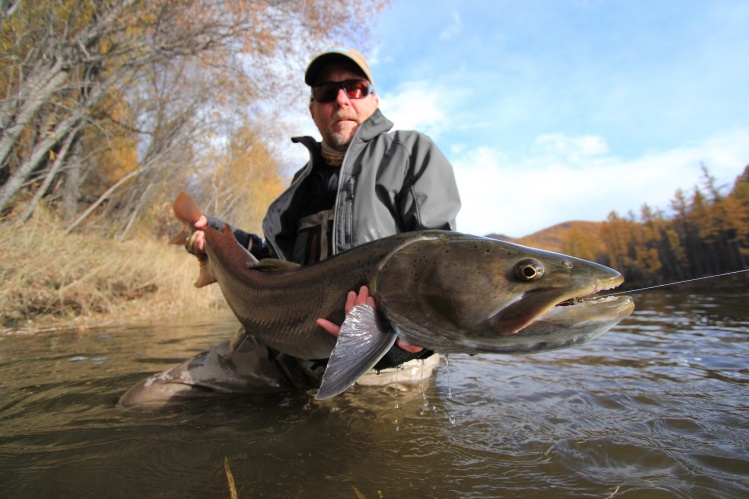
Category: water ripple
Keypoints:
(655, 407)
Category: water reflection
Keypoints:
(656, 407)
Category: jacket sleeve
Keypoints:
(429, 198)
(258, 249)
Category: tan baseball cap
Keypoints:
(331, 55)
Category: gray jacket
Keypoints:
(390, 182)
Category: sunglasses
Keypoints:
(328, 91)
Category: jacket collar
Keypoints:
(374, 126)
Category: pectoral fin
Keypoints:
(361, 343)
(238, 340)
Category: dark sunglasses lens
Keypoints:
(328, 92)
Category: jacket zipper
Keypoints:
(350, 210)
(348, 206)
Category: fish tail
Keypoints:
(186, 209)
(216, 239)
(188, 212)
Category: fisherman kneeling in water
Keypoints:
(362, 183)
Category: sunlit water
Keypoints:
(656, 407)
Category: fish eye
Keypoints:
(528, 270)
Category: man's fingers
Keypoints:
(359, 298)
(350, 301)
(195, 244)
(403, 344)
(328, 326)
(200, 241)
(363, 295)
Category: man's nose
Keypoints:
(341, 98)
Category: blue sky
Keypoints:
(557, 110)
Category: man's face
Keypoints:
(338, 120)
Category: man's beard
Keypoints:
(341, 139)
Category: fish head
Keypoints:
(456, 292)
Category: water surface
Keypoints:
(657, 407)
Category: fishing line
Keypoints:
(678, 282)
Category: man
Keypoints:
(362, 183)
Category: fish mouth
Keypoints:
(592, 295)
(573, 320)
(538, 303)
(598, 306)
(586, 299)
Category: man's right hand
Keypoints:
(195, 244)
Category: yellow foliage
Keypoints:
(245, 180)
(582, 244)
(113, 146)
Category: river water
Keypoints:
(656, 407)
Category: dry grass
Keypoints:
(52, 280)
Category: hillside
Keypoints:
(552, 238)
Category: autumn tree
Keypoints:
(150, 77)
(617, 237)
(244, 179)
(582, 244)
(740, 194)
(707, 234)
(681, 231)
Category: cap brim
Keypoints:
(326, 58)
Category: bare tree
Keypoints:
(180, 64)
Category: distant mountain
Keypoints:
(552, 238)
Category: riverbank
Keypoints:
(55, 281)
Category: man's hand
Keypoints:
(195, 244)
(353, 299)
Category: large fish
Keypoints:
(445, 291)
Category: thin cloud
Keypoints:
(454, 29)
(418, 105)
(572, 149)
(519, 196)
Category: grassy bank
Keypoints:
(52, 280)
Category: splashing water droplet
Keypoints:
(447, 371)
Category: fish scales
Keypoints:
(280, 304)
